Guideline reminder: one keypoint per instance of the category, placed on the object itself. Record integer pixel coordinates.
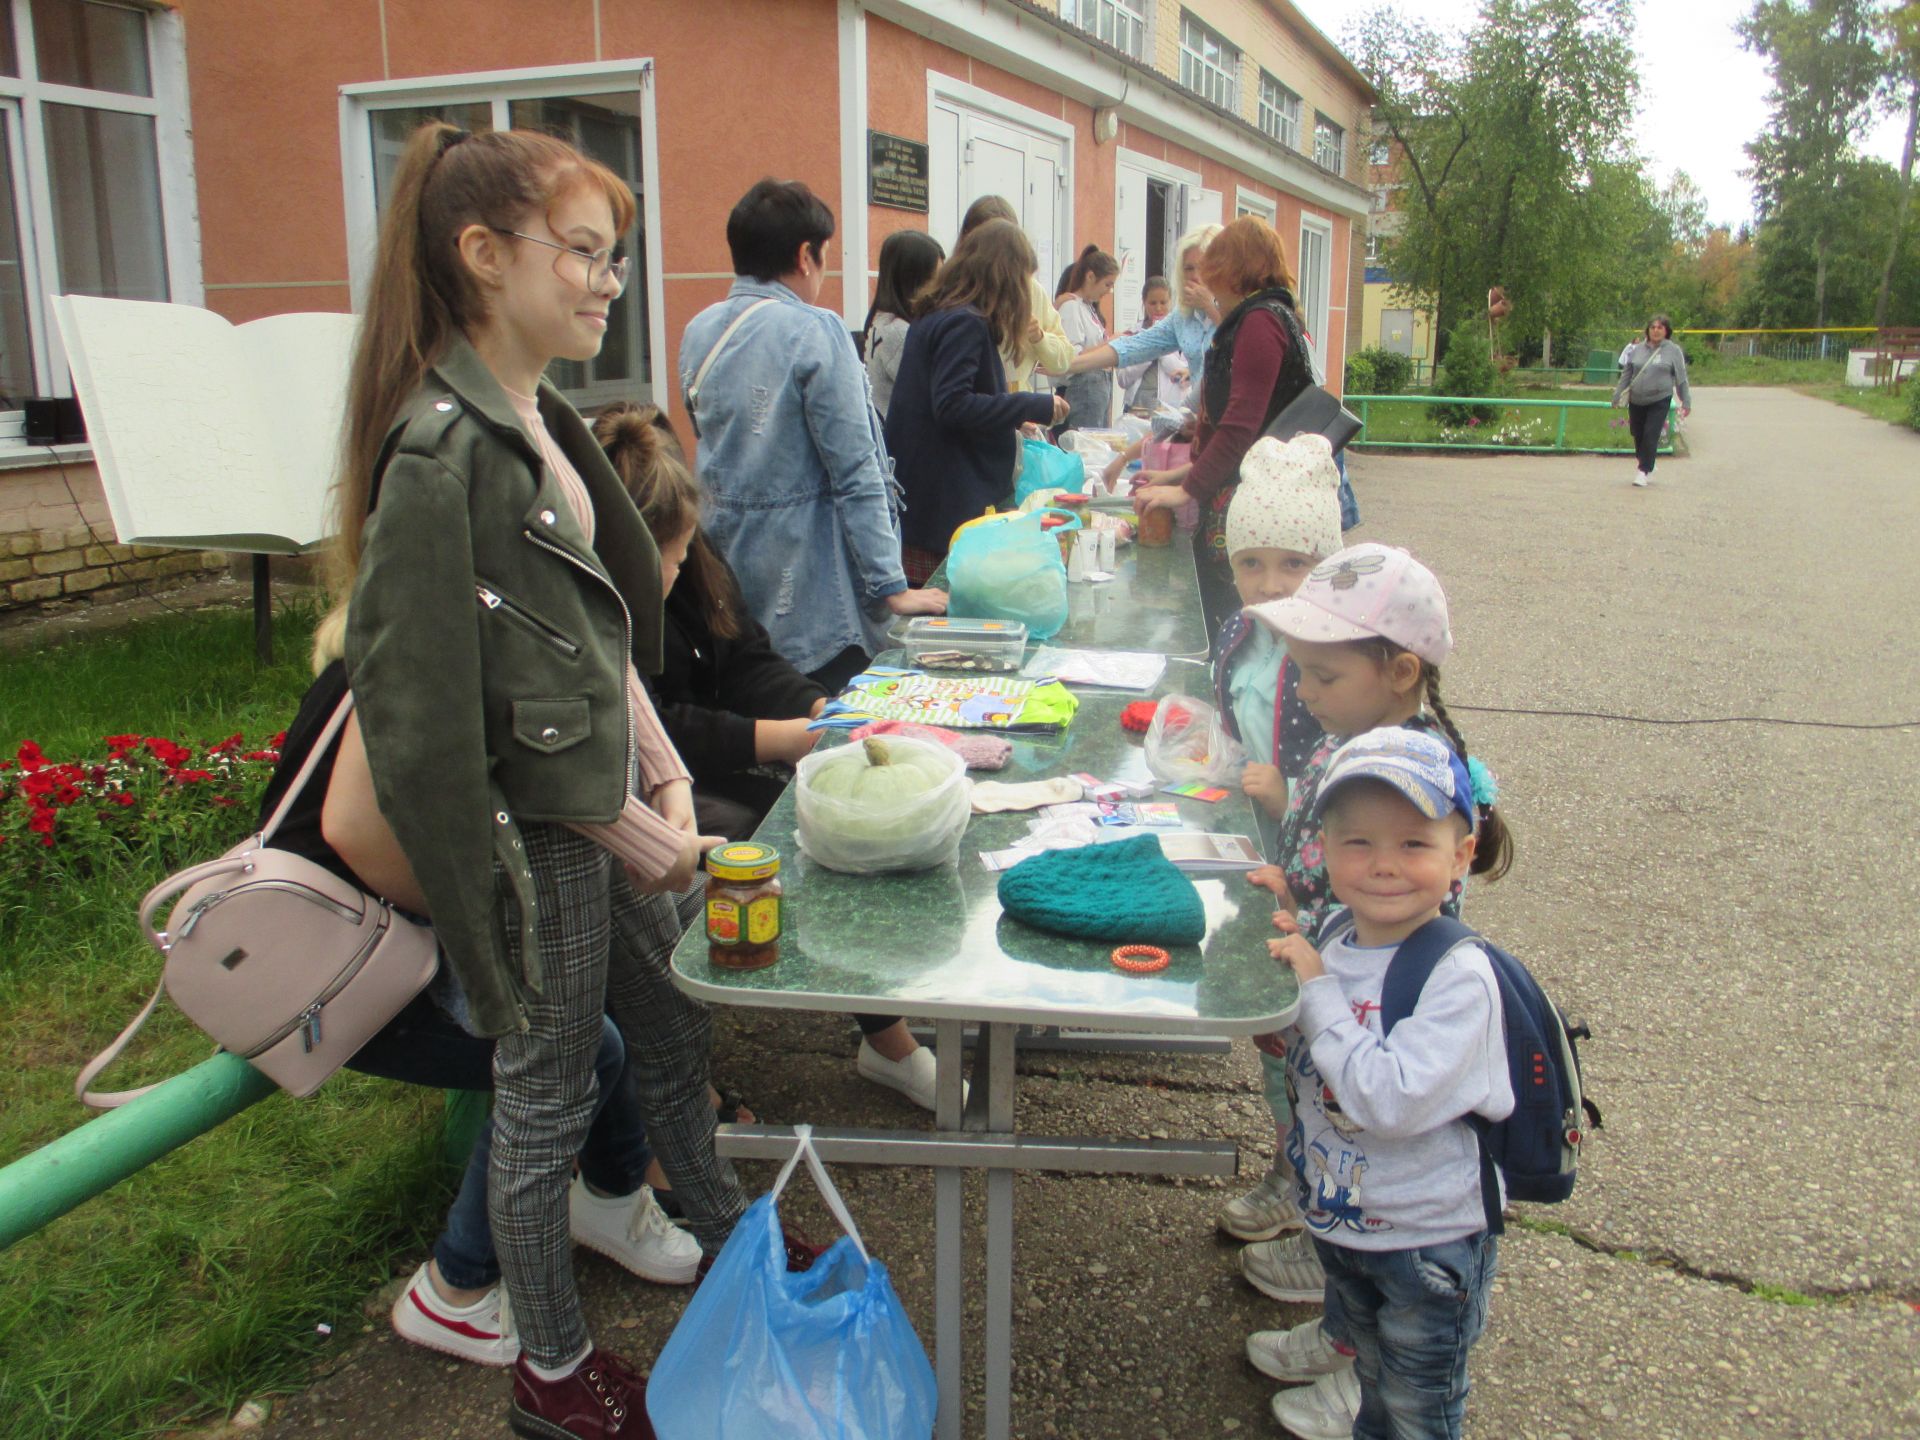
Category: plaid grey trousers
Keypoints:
(604, 945)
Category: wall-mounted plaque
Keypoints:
(896, 172)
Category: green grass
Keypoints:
(1881, 404)
(1519, 426)
(201, 1280)
(1760, 370)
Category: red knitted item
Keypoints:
(1138, 716)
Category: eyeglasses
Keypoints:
(601, 266)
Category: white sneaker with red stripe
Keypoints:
(481, 1332)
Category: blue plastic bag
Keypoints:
(1047, 467)
(765, 1354)
(1009, 570)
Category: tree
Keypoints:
(1825, 72)
(1517, 167)
(1901, 31)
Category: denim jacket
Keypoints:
(1187, 331)
(800, 492)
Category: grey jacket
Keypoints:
(1653, 373)
(487, 647)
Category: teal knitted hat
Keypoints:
(1126, 891)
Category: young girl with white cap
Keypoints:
(1369, 630)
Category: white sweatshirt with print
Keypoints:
(1380, 1140)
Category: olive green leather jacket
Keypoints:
(487, 646)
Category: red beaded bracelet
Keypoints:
(1141, 959)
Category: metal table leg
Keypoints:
(997, 1050)
(948, 1254)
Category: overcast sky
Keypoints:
(1702, 96)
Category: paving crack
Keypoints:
(1666, 1259)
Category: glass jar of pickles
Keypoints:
(743, 906)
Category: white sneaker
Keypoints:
(1324, 1410)
(1641, 479)
(1286, 1269)
(632, 1230)
(913, 1077)
(1265, 1210)
(481, 1332)
(1297, 1355)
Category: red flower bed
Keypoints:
(149, 798)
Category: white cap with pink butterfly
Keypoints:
(1364, 591)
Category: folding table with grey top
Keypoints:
(935, 943)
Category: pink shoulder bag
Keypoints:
(278, 959)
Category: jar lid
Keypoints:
(745, 860)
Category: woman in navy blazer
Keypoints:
(952, 426)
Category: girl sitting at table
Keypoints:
(734, 709)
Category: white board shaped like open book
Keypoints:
(205, 433)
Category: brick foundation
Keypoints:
(57, 545)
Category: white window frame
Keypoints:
(1252, 202)
(1325, 123)
(33, 185)
(1101, 18)
(501, 88)
(1221, 74)
(1284, 107)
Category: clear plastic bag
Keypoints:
(1186, 743)
(866, 824)
(765, 1354)
(1009, 570)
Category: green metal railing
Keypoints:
(1364, 405)
(45, 1184)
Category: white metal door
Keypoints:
(1203, 208)
(971, 154)
(1316, 282)
(1130, 235)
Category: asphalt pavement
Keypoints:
(1730, 905)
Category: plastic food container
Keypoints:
(949, 644)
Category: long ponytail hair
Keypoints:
(422, 293)
(646, 455)
(1493, 855)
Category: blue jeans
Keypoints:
(1411, 1316)
(424, 1046)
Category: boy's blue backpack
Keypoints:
(1537, 1147)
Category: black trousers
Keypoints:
(1645, 422)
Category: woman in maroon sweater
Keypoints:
(1255, 365)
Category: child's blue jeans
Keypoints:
(1411, 1316)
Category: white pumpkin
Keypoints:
(884, 804)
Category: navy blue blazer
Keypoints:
(952, 427)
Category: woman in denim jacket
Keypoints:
(801, 496)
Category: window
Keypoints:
(1120, 23)
(96, 175)
(606, 111)
(1373, 249)
(1329, 145)
(1209, 66)
(1382, 198)
(1279, 111)
(1380, 154)
(1315, 284)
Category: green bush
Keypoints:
(1913, 401)
(1392, 371)
(1361, 379)
(1468, 371)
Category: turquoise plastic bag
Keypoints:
(1047, 467)
(765, 1354)
(1009, 570)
